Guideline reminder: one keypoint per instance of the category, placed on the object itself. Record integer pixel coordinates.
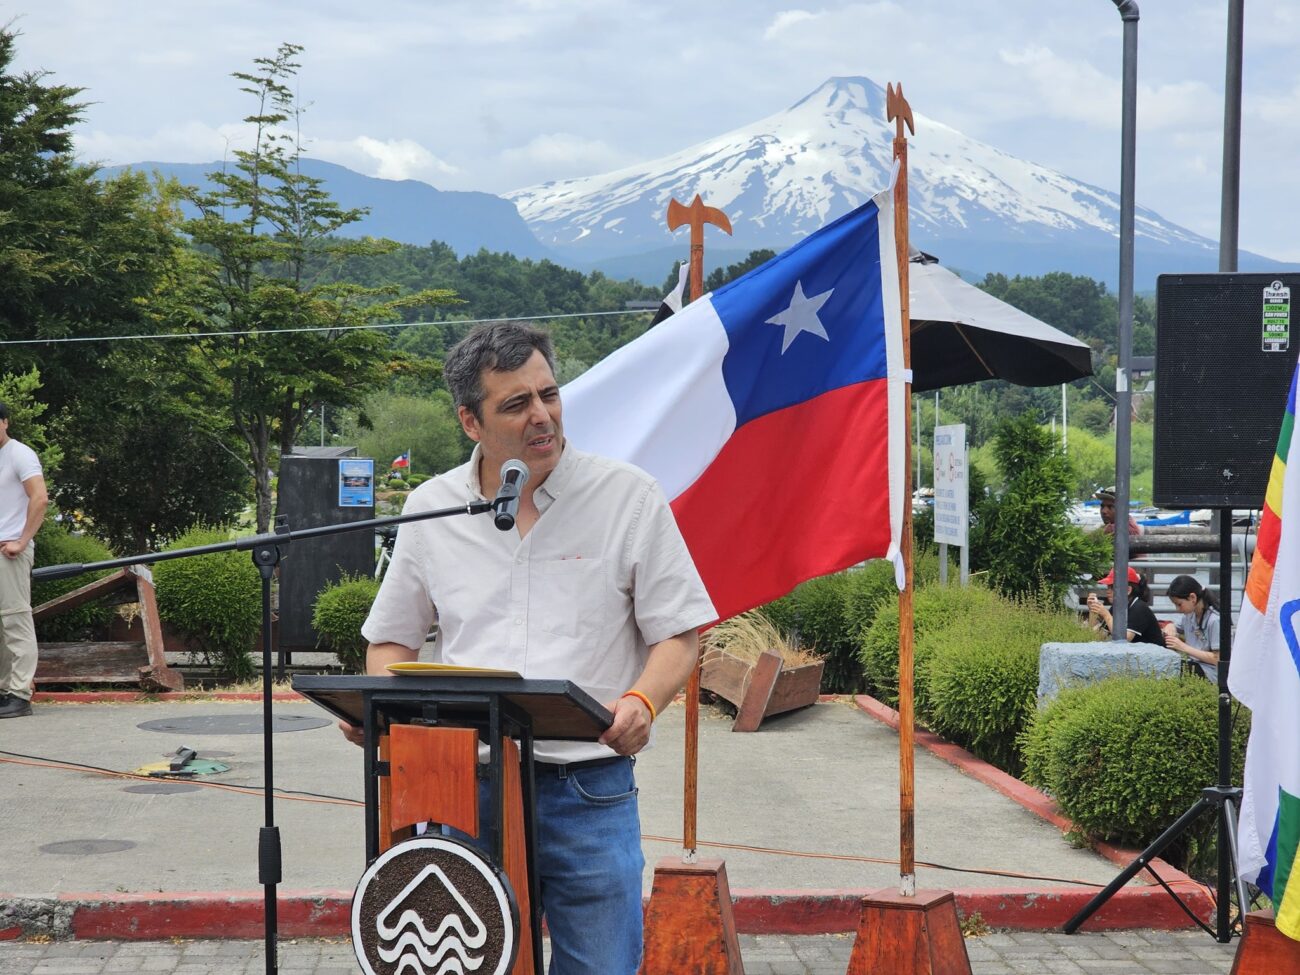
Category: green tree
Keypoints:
(18, 393)
(153, 458)
(278, 341)
(391, 424)
(84, 258)
(718, 277)
(1023, 538)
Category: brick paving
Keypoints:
(998, 953)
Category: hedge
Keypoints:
(827, 615)
(213, 600)
(1126, 756)
(55, 545)
(981, 672)
(341, 607)
(933, 606)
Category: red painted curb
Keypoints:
(1195, 894)
(327, 913)
(139, 697)
(237, 914)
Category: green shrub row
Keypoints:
(55, 545)
(975, 663)
(1125, 757)
(213, 600)
(828, 615)
(341, 608)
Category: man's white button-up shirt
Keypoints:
(602, 575)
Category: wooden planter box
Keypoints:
(761, 689)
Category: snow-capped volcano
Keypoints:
(786, 175)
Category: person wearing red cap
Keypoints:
(1142, 624)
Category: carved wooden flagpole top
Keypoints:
(897, 110)
(696, 216)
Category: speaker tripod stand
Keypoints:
(1221, 799)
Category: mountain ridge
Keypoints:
(780, 178)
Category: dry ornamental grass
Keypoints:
(746, 636)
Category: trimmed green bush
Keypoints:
(828, 615)
(981, 672)
(55, 545)
(934, 606)
(341, 607)
(870, 588)
(213, 600)
(1126, 756)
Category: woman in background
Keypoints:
(1142, 624)
(1199, 627)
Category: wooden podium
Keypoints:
(421, 749)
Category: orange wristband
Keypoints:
(644, 700)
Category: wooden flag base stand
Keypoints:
(917, 935)
(689, 925)
(1264, 950)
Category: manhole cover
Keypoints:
(81, 848)
(161, 788)
(232, 724)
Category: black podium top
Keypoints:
(559, 709)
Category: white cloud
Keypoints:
(1077, 90)
(560, 153)
(187, 142)
(385, 158)
(785, 20)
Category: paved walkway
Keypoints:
(1116, 953)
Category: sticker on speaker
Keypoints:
(1277, 317)
(437, 906)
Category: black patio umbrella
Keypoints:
(961, 335)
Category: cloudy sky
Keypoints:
(498, 94)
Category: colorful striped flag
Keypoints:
(1264, 674)
(771, 411)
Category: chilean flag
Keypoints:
(401, 460)
(772, 413)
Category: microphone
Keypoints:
(514, 475)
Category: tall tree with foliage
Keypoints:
(280, 342)
(1022, 538)
(78, 256)
(84, 258)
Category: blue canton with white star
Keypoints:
(775, 317)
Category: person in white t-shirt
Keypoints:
(23, 501)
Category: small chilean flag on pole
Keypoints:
(771, 411)
(402, 460)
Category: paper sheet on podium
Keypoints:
(426, 669)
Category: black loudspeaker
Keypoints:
(1225, 355)
(309, 496)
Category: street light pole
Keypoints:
(1128, 10)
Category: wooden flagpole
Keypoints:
(689, 925)
(905, 931)
(694, 216)
(900, 113)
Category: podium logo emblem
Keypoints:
(434, 906)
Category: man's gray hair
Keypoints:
(499, 346)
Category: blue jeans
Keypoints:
(589, 864)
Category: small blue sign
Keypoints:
(357, 483)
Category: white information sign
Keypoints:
(951, 491)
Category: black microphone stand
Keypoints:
(266, 552)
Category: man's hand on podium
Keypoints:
(631, 728)
(352, 733)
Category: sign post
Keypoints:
(951, 497)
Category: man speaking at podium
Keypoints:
(593, 584)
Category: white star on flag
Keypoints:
(801, 316)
